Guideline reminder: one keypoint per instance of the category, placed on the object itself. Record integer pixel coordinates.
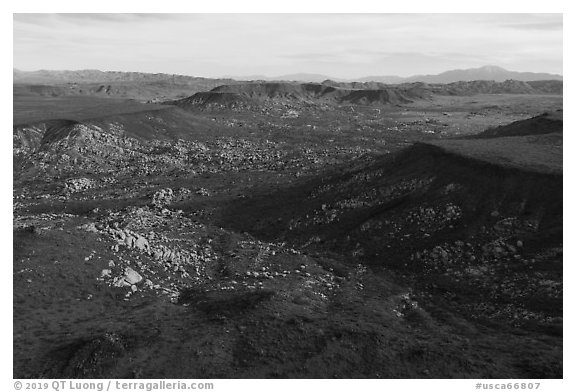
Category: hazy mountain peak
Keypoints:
(491, 68)
(488, 72)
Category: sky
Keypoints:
(336, 45)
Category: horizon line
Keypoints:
(290, 74)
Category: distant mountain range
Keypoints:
(96, 76)
(494, 73)
(489, 72)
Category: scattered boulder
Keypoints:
(162, 198)
(89, 227)
(74, 185)
(203, 192)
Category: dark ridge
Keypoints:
(58, 129)
(31, 136)
(87, 357)
(539, 125)
(38, 90)
(368, 97)
(214, 99)
(278, 90)
(485, 187)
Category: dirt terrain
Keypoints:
(283, 231)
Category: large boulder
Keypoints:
(129, 241)
(142, 244)
(132, 277)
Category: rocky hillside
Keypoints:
(163, 141)
(408, 265)
(484, 237)
(258, 94)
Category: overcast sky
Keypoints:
(337, 45)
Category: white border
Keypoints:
(304, 6)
